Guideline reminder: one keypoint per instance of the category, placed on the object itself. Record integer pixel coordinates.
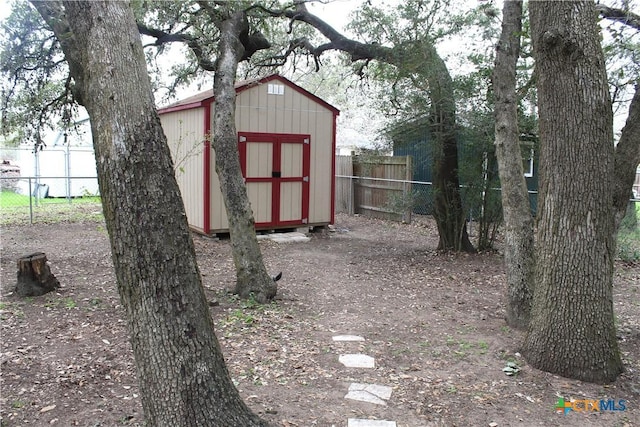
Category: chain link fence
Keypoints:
(48, 199)
(481, 205)
(417, 196)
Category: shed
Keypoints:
(286, 141)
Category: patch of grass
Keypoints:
(9, 199)
(436, 354)
(17, 404)
(459, 354)
(468, 329)
(8, 309)
(13, 211)
(465, 347)
(424, 344)
(51, 303)
(239, 316)
(68, 303)
(250, 303)
(399, 351)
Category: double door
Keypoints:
(276, 171)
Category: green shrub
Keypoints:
(629, 235)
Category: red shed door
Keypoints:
(276, 172)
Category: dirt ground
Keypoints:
(433, 322)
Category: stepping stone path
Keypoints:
(357, 361)
(348, 338)
(292, 237)
(354, 422)
(370, 393)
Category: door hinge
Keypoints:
(305, 220)
(305, 179)
(306, 140)
(242, 139)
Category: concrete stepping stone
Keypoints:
(285, 237)
(356, 422)
(357, 361)
(371, 393)
(347, 338)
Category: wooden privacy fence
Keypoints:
(375, 186)
(344, 185)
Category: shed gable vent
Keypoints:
(275, 89)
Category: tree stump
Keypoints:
(34, 276)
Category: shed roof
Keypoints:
(207, 96)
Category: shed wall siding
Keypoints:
(185, 134)
(219, 218)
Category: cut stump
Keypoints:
(34, 276)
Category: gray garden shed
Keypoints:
(286, 141)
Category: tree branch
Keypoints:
(337, 41)
(163, 37)
(623, 16)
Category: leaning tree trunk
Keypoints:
(252, 278)
(448, 211)
(519, 249)
(182, 374)
(420, 60)
(572, 331)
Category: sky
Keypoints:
(337, 12)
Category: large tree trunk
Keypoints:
(181, 371)
(252, 279)
(572, 331)
(519, 249)
(448, 211)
